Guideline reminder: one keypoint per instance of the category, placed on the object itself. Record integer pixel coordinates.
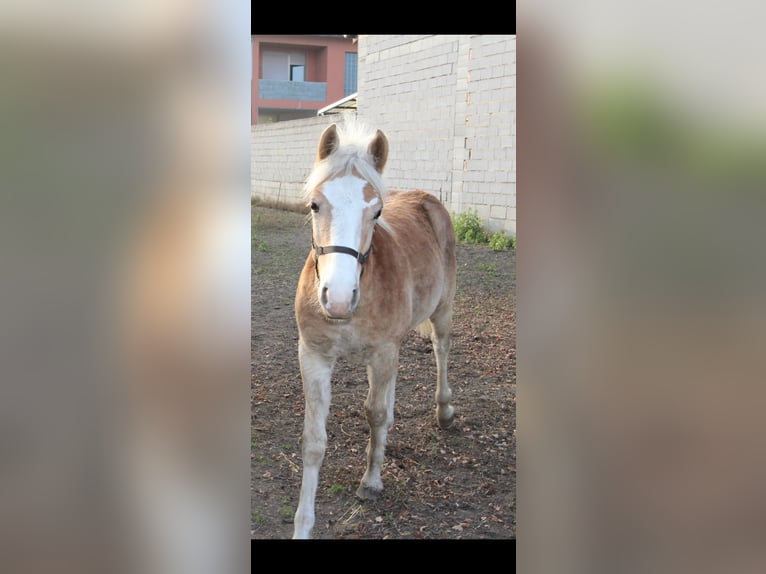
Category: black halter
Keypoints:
(361, 257)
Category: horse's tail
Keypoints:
(424, 329)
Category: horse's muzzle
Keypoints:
(338, 308)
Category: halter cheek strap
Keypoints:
(323, 250)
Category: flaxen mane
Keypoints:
(350, 155)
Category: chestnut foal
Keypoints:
(381, 264)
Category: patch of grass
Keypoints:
(488, 268)
(287, 513)
(257, 518)
(294, 206)
(256, 243)
(501, 242)
(336, 488)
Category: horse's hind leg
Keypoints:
(316, 372)
(379, 408)
(441, 326)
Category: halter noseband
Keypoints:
(323, 250)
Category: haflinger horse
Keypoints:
(381, 264)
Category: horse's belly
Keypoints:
(427, 297)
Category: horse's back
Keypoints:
(411, 213)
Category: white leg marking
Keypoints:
(316, 371)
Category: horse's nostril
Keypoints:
(324, 295)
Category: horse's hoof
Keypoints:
(446, 419)
(367, 493)
(444, 425)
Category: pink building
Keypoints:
(294, 76)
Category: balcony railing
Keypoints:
(287, 90)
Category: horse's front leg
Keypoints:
(379, 408)
(316, 371)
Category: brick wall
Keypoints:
(448, 106)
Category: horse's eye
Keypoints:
(314, 207)
(377, 214)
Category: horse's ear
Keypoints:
(328, 142)
(378, 149)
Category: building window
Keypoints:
(297, 73)
(349, 85)
(289, 66)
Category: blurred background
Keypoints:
(125, 291)
(641, 287)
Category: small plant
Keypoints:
(255, 242)
(468, 228)
(501, 242)
(336, 488)
(257, 518)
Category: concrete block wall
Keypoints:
(407, 88)
(448, 106)
(283, 154)
(489, 145)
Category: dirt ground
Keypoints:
(438, 484)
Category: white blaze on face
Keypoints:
(339, 279)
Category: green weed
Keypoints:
(336, 488)
(502, 242)
(468, 227)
